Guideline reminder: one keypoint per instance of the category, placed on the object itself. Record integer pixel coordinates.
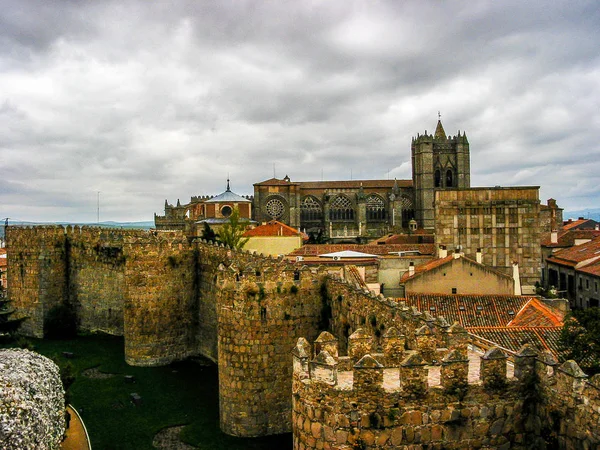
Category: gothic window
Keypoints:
(341, 209)
(408, 212)
(375, 208)
(438, 179)
(275, 208)
(310, 210)
(449, 178)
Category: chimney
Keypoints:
(442, 252)
(411, 269)
(516, 278)
(554, 237)
(457, 253)
(478, 256)
(597, 227)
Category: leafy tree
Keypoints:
(8, 326)
(232, 231)
(580, 338)
(209, 234)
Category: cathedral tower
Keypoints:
(438, 162)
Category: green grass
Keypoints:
(181, 393)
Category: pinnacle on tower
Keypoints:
(439, 131)
(228, 188)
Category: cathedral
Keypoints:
(503, 223)
(354, 210)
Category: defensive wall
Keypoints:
(390, 400)
(171, 298)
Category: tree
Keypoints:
(232, 231)
(8, 326)
(580, 339)
(208, 234)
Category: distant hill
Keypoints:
(592, 213)
(110, 224)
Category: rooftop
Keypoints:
(274, 228)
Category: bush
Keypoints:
(60, 323)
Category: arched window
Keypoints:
(341, 209)
(310, 210)
(408, 211)
(449, 178)
(376, 208)
(438, 179)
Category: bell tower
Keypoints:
(438, 162)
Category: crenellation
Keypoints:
(370, 382)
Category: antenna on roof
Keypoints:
(439, 116)
(274, 175)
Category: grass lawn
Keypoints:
(182, 393)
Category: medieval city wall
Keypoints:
(391, 400)
(262, 310)
(37, 270)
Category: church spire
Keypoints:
(439, 130)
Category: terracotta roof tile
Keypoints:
(568, 225)
(273, 229)
(513, 338)
(275, 182)
(417, 237)
(470, 310)
(568, 238)
(490, 317)
(592, 269)
(427, 267)
(537, 314)
(572, 256)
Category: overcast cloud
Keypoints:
(144, 101)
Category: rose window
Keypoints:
(275, 208)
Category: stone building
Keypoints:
(212, 210)
(457, 274)
(575, 273)
(503, 222)
(350, 211)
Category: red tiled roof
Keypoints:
(490, 317)
(572, 224)
(274, 182)
(591, 269)
(568, 238)
(513, 338)
(273, 229)
(572, 256)
(470, 310)
(381, 250)
(418, 237)
(419, 270)
(537, 314)
(427, 267)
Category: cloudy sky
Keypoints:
(146, 101)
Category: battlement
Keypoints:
(390, 395)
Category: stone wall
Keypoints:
(262, 309)
(37, 273)
(161, 300)
(378, 400)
